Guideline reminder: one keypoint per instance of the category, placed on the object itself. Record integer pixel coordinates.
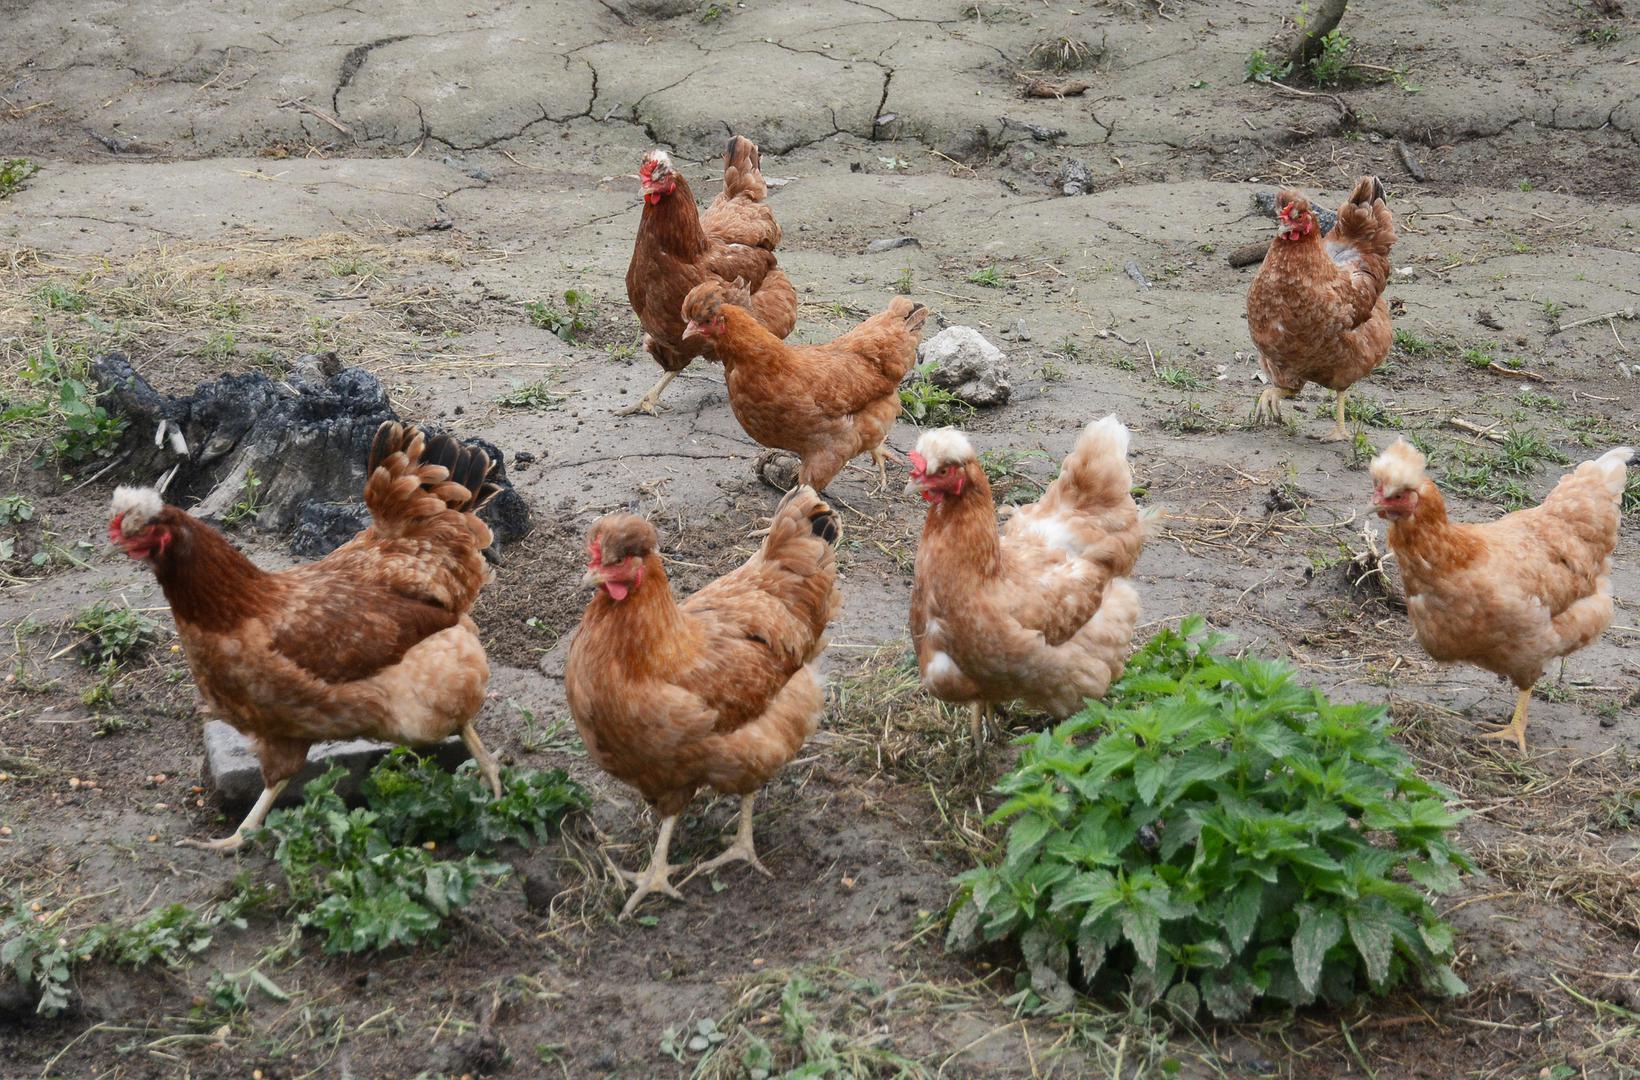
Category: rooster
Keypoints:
(1041, 613)
(372, 641)
(1316, 307)
(678, 248)
(714, 692)
(825, 403)
(1509, 595)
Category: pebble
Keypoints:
(5, 830)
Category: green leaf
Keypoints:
(1318, 931)
(1142, 926)
(1374, 937)
(1148, 776)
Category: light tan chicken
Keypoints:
(1042, 613)
(1316, 308)
(1509, 595)
(714, 692)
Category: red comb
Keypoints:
(919, 464)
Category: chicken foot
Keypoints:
(1516, 727)
(1269, 403)
(227, 845)
(655, 876)
(1339, 433)
(740, 849)
(486, 761)
(978, 715)
(650, 402)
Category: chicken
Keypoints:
(372, 641)
(1316, 307)
(1043, 613)
(714, 692)
(1513, 594)
(678, 248)
(825, 403)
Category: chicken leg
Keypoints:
(650, 402)
(880, 456)
(655, 876)
(253, 820)
(1339, 432)
(1516, 727)
(978, 714)
(740, 849)
(1269, 403)
(486, 761)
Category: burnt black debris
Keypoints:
(305, 439)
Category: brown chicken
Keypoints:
(372, 641)
(1041, 614)
(1316, 307)
(714, 692)
(1513, 594)
(824, 403)
(678, 248)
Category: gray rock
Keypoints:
(965, 363)
(1074, 177)
(891, 243)
(232, 771)
(1137, 274)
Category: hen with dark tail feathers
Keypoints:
(372, 641)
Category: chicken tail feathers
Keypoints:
(802, 504)
(405, 467)
(743, 170)
(1095, 474)
(1365, 226)
(1613, 468)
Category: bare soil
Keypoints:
(229, 188)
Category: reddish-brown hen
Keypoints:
(825, 403)
(678, 248)
(1513, 594)
(372, 641)
(1316, 307)
(714, 692)
(1041, 613)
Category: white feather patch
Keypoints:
(945, 446)
(1399, 468)
(941, 667)
(1108, 429)
(135, 506)
(660, 156)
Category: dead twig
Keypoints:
(1514, 373)
(1620, 313)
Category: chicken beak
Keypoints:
(691, 330)
(913, 486)
(592, 579)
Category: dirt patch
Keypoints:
(228, 201)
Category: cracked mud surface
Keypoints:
(298, 153)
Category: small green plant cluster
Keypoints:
(928, 405)
(368, 878)
(1215, 834)
(13, 173)
(1496, 477)
(64, 411)
(535, 395)
(1260, 68)
(1411, 344)
(42, 955)
(1179, 378)
(113, 632)
(986, 276)
(804, 1046)
(575, 317)
(1332, 63)
(249, 504)
(1009, 481)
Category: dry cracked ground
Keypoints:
(228, 186)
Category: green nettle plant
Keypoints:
(1215, 833)
(364, 877)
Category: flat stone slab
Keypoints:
(232, 771)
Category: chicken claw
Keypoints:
(227, 845)
(651, 402)
(656, 876)
(1268, 408)
(486, 761)
(1339, 433)
(740, 849)
(1516, 727)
